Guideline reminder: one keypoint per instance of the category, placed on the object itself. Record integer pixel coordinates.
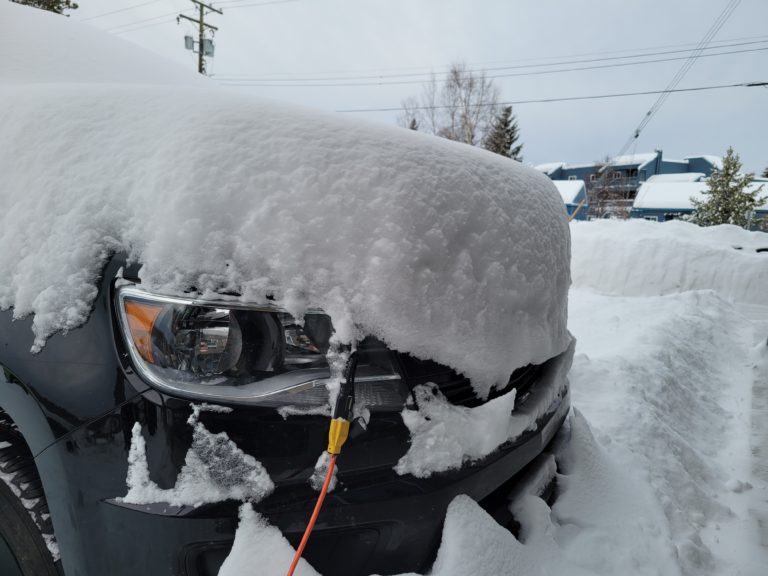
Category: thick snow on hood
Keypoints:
(440, 249)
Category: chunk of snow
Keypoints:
(440, 249)
(321, 471)
(261, 548)
(444, 436)
(215, 469)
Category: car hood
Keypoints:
(440, 249)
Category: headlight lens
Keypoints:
(241, 354)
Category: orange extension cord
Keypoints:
(315, 514)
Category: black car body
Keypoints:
(76, 402)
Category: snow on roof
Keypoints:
(632, 159)
(549, 167)
(570, 189)
(683, 177)
(671, 195)
(438, 248)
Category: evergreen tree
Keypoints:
(765, 173)
(502, 139)
(414, 124)
(57, 6)
(727, 198)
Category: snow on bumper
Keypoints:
(445, 436)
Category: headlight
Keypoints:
(223, 351)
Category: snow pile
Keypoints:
(43, 47)
(444, 436)
(435, 247)
(604, 523)
(259, 544)
(639, 258)
(215, 469)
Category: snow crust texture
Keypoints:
(440, 249)
(215, 469)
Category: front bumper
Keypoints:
(377, 521)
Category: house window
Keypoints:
(572, 178)
(651, 218)
(592, 177)
(616, 174)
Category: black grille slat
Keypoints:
(457, 389)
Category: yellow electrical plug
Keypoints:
(337, 435)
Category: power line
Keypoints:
(711, 33)
(234, 77)
(481, 65)
(172, 15)
(258, 84)
(570, 98)
(151, 19)
(120, 10)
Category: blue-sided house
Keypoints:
(574, 194)
(664, 198)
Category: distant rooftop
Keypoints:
(570, 189)
(684, 177)
(676, 195)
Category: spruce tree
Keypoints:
(765, 173)
(413, 124)
(727, 198)
(504, 134)
(57, 6)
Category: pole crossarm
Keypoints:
(211, 8)
(211, 26)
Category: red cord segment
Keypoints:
(315, 514)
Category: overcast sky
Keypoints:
(281, 47)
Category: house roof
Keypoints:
(662, 195)
(570, 189)
(549, 167)
(683, 177)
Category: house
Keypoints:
(574, 194)
(664, 198)
(612, 185)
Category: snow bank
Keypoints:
(440, 249)
(604, 523)
(639, 258)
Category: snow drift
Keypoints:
(640, 258)
(444, 250)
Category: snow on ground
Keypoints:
(663, 469)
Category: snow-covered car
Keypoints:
(184, 272)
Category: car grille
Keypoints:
(458, 389)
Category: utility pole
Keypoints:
(204, 46)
